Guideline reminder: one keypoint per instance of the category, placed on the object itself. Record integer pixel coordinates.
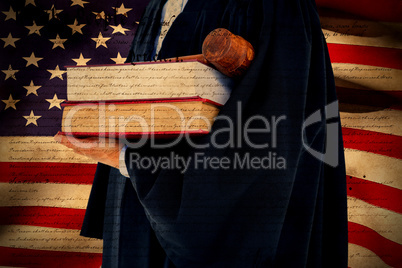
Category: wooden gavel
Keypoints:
(229, 53)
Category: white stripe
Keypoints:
(385, 222)
(37, 149)
(374, 167)
(362, 32)
(369, 118)
(360, 257)
(48, 195)
(367, 77)
(44, 238)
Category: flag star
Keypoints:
(32, 118)
(32, 89)
(75, 27)
(100, 15)
(78, 2)
(119, 29)
(53, 12)
(58, 42)
(10, 73)
(122, 10)
(32, 60)
(11, 14)
(55, 102)
(32, 2)
(9, 40)
(119, 59)
(101, 41)
(34, 29)
(81, 60)
(10, 103)
(57, 73)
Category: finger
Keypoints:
(58, 136)
(103, 149)
(73, 142)
(62, 139)
(94, 147)
(102, 143)
(69, 142)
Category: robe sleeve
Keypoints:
(95, 212)
(288, 211)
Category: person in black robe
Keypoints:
(291, 214)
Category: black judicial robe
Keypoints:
(277, 216)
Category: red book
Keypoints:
(135, 118)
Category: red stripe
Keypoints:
(42, 258)
(387, 250)
(375, 98)
(23, 172)
(65, 218)
(385, 10)
(366, 55)
(377, 194)
(372, 142)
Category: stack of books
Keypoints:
(155, 98)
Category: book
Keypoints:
(134, 118)
(147, 80)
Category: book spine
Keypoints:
(161, 134)
(138, 101)
(161, 61)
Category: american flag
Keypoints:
(365, 40)
(44, 187)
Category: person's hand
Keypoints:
(104, 150)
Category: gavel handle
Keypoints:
(198, 57)
(229, 53)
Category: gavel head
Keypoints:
(230, 54)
